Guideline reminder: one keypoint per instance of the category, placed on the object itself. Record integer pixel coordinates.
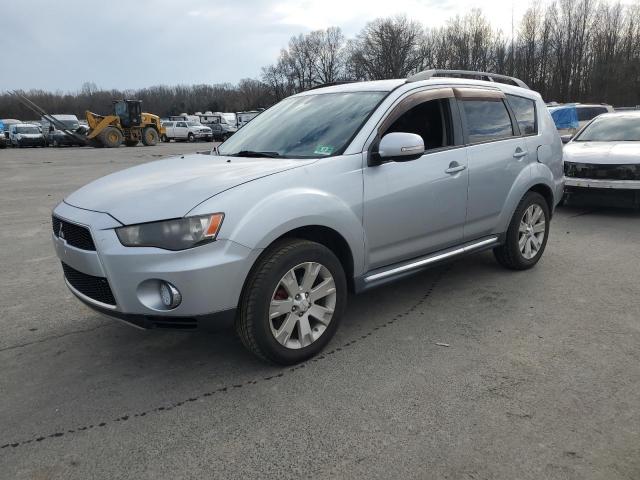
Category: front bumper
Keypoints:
(597, 183)
(31, 142)
(209, 278)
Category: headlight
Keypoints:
(177, 234)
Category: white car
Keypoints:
(186, 131)
(605, 154)
(26, 135)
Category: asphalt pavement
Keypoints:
(467, 371)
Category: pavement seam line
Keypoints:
(231, 387)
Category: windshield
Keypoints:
(27, 130)
(612, 129)
(71, 124)
(309, 126)
(229, 118)
(193, 124)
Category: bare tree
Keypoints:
(388, 48)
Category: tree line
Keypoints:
(568, 50)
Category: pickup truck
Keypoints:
(186, 131)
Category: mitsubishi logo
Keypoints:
(60, 232)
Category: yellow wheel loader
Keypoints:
(128, 123)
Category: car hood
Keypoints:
(171, 188)
(605, 153)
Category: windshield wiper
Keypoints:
(253, 153)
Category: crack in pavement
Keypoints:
(231, 387)
(53, 337)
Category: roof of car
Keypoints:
(630, 113)
(402, 84)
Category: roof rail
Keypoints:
(491, 77)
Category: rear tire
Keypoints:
(293, 284)
(164, 138)
(150, 136)
(527, 234)
(111, 137)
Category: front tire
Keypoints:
(527, 234)
(292, 302)
(111, 137)
(150, 137)
(191, 138)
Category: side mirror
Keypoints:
(401, 146)
(566, 138)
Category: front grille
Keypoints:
(75, 235)
(96, 288)
(597, 171)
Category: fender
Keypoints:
(266, 212)
(534, 174)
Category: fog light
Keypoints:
(170, 295)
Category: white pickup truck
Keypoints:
(186, 131)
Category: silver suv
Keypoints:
(337, 189)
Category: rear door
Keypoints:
(496, 155)
(169, 126)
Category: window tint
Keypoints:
(181, 124)
(587, 113)
(487, 120)
(525, 111)
(431, 120)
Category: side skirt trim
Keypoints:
(429, 260)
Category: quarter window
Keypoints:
(525, 111)
(487, 120)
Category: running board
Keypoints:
(422, 262)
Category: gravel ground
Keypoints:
(541, 378)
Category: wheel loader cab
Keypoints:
(129, 112)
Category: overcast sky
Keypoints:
(138, 43)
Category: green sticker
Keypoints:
(324, 150)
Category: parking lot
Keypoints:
(540, 378)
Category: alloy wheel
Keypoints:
(302, 305)
(533, 225)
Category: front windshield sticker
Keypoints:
(323, 150)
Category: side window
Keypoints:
(181, 124)
(525, 111)
(487, 120)
(431, 120)
(587, 113)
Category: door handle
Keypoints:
(519, 153)
(455, 167)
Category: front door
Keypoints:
(418, 206)
(181, 130)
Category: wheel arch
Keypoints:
(321, 234)
(546, 192)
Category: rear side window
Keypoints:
(525, 111)
(587, 113)
(487, 120)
